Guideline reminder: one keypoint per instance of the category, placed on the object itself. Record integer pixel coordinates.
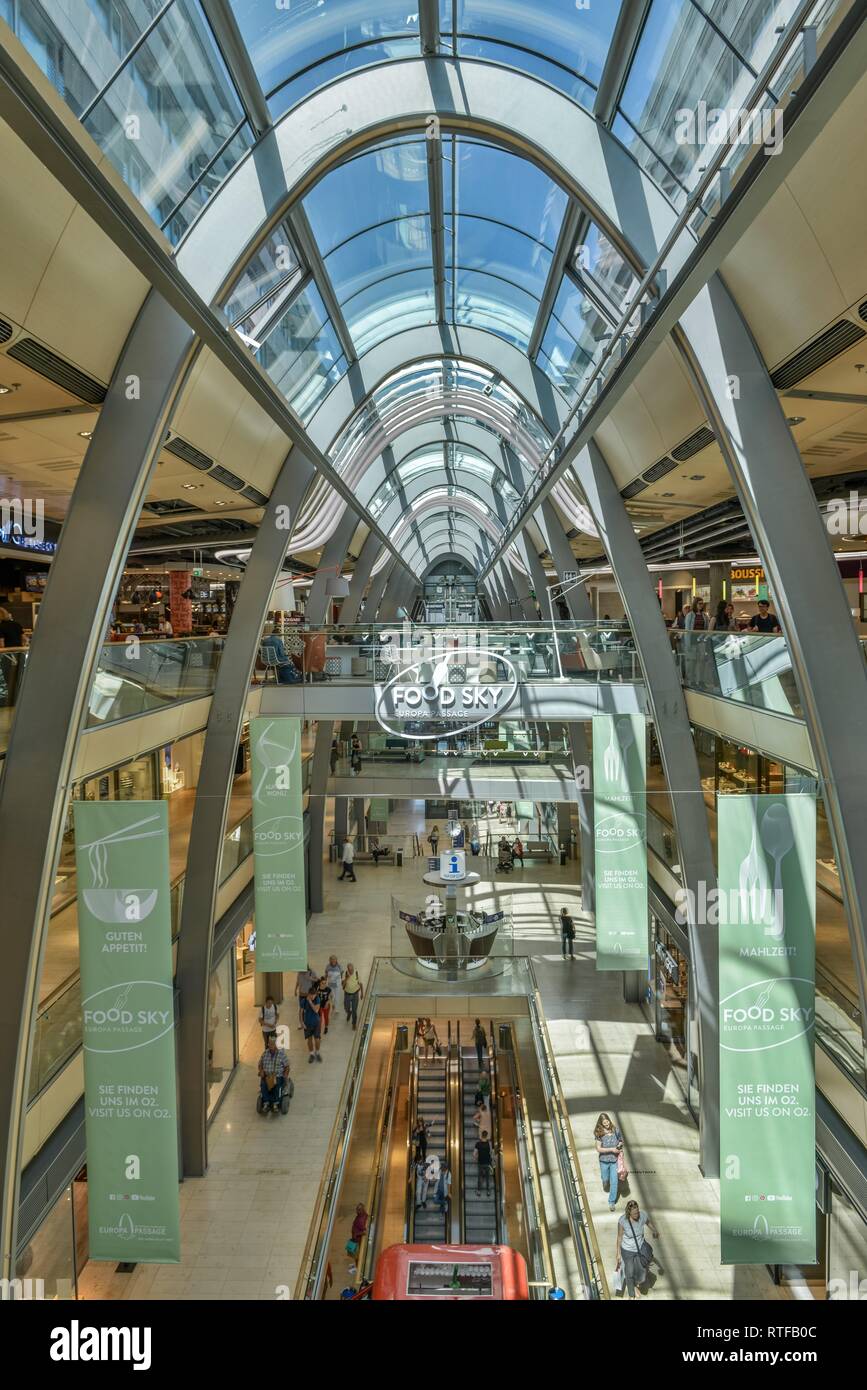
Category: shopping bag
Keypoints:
(617, 1279)
(622, 1170)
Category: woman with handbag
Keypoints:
(609, 1147)
(633, 1251)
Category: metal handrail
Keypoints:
(527, 1142)
(412, 1108)
(456, 1148)
(384, 1130)
(499, 1185)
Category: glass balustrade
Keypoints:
(752, 668)
(132, 677)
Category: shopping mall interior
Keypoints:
(485, 731)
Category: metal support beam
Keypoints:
(621, 51)
(61, 664)
(434, 149)
(306, 242)
(317, 608)
(429, 27)
(236, 55)
(780, 505)
(213, 794)
(572, 220)
(679, 762)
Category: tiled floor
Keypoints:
(244, 1226)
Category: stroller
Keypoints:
(506, 861)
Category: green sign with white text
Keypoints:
(278, 845)
(620, 839)
(767, 951)
(127, 1001)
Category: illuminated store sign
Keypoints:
(418, 693)
(9, 535)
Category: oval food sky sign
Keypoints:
(425, 691)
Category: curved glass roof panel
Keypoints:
(573, 338)
(302, 353)
(577, 37)
(383, 183)
(287, 41)
(684, 61)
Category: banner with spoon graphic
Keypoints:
(620, 837)
(128, 1020)
(767, 951)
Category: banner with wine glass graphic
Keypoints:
(127, 1003)
(767, 955)
(620, 839)
(278, 845)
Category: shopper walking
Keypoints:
(325, 998)
(353, 993)
(313, 1023)
(567, 933)
(764, 620)
(304, 980)
(430, 1040)
(484, 1162)
(609, 1145)
(334, 755)
(634, 1252)
(348, 861)
(334, 978)
(518, 850)
(268, 1016)
(480, 1038)
(433, 840)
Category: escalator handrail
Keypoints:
(412, 1108)
(456, 1152)
(496, 1137)
(384, 1131)
(526, 1138)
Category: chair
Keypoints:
(268, 658)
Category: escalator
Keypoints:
(481, 1224)
(428, 1225)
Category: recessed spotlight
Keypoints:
(7, 390)
(218, 503)
(795, 419)
(85, 434)
(696, 477)
(189, 487)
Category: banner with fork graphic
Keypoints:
(766, 915)
(620, 837)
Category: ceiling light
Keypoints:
(190, 487)
(219, 503)
(696, 477)
(795, 419)
(7, 390)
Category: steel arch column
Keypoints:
(317, 607)
(61, 665)
(732, 380)
(580, 608)
(213, 793)
(673, 734)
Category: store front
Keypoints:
(668, 1005)
(222, 1028)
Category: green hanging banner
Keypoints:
(767, 950)
(620, 839)
(278, 845)
(127, 1001)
